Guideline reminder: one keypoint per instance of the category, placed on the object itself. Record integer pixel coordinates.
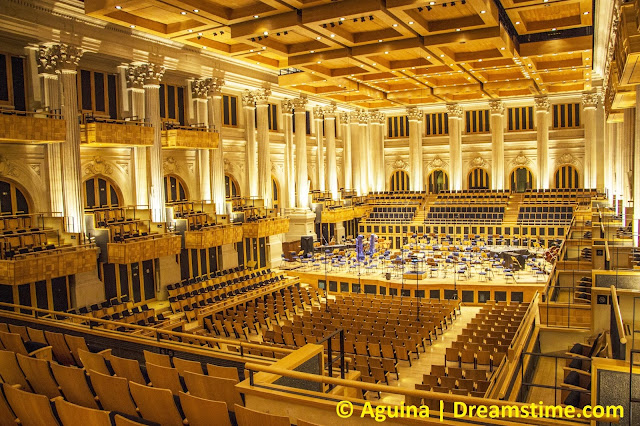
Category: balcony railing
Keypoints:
(31, 127)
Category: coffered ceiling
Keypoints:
(376, 53)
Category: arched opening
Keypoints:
(438, 181)
(478, 178)
(399, 181)
(566, 177)
(231, 187)
(521, 179)
(275, 193)
(100, 192)
(175, 189)
(13, 200)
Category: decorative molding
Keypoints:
(7, 167)
(344, 117)
(363, 117)
(58, 57)
(415, 114)
(377, 117)
(478, 162)
(191, 167)
(521, 159)
(149, 73)
(35, 167)
(124, 166)
(98, 166)
(287, 106)
(454, 110)
(437, 163)
(300, 103)
(542, 103)
(277, 168)
(261, 96)
(330, 110)
(399, 164)
(353, 116)
(248, 101)
(566, 158)
(214, 86)
(170, 165)
(199, 89)
(496, 107)
(318, 113)
(590, 100)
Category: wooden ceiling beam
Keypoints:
(269, 24)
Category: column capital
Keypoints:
(496, 107)
(354, 117)
(454, 110)
(590, 100)
(414, 114)
(287, 106)
(58, 57)
(144, 74)
(300, 103)
(261, 96)
(330, 111)
(542, 103)
(199, 89)
(344, 117)
(377, 117)
(248, 100)
(214, 86)
(318, 113)
(363, 117)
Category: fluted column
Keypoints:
(454, 112)
(347, 168)
(249, 105)
(354, 127)
(51, 101)
(589, 103)
(636, 171)
(620, 174)
(289, 187)
(542, 136)
(216, 168)
(416, 179)
(152, 74)
(318, 116)
(377, 150)
(64, 59)
(497, 144)
(332, 166)
(628, 139)
(363, 152)
(302, 176)
(609, 160)
(135, 95)
(199, 92)
(261, 97)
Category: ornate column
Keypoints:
(377, 150)
(318, 115)
(454, 112)
(302, 176)
(332, 166)
(363, 151)
(51, 101)
(542, 128)
(216, 169)
(199, 92)
(249, 104)
(416, 178)
(261, 97)
(135, 96)
(152, 74)
(636, 171)
(289, 187)
(589, 103)
(620, 172)
(347, 169)
(628, 139)
(497, 144)
(64, 58)
(610, 161)
(354, 127)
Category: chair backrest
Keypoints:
(32, 409)
(21, 330)
(164, 378)
(158, 359)
(121, 420)
(10, 370)
(92, 362)
(70, 414)
(183, 365)
(36, 335)
(13, 342)
(200, 411)
(127, 368)
(73, 382)
(75, 343)
(113, 393)
(213, 388)
(7, 416)
(248, 417)
(156, 404)
(61, 350)
(39, 376)
(223, 372)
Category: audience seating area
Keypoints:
(396, 197)
(121, 310)
(196, 219)
(465, 214)
(120, 227)
(21, 234)
(473, 196)
(394, 214)
(576, 386)
(545, 214)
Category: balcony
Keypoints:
(104, 132)
(31, 128)
(627, 51)
(175, 136)
(342, 214)
(44, 265)
(213, 236)
(265, 227)
(142, 248)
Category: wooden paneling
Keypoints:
(31, 129)
(265, 227)
(189, 139)
(116, 134)
(213, 237)
(145, 248)
(43, 266)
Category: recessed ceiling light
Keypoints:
(586, 59)
(342, 19)
(553, 29)
(379, 41)
(264, 48)
(257, 63)
(318, 38)
(502, 48)
(190, 30)
(374, 64)
(132, 26)
(386, 53)
(517, 22)
(312, 51)
(204, 47)
(457, 29)
(266, 33)
(333, 35)
(118, 7)
(395, 25)
(319, 62)
(196, 10)
(410, 22)
(428, 57)
(361, 66)
(200, 34)
(479, 60)
(442, 56)
(251, 50)
(483, 11)
(585, 13)
(183, 13)
(256, 16)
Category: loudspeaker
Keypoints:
(306, 244)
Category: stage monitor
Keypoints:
(306, 244)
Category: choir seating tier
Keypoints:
(31, 128)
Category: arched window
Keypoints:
(478, 179)
(174, 189)
(399, 181)
(438, 181)
(12, 199)
(275, 193)
(521, 179)
(100, 192)
(231, 187)
(566, 177)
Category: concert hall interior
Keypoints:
(304, 212)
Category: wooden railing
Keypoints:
(31, 127)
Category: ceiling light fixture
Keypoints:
(266, 33)
(196, 10)
(483, 11)
(183, 13)
(410, 22)
(118, 7)
(333, 35)
(132, 26)
(395, 25)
